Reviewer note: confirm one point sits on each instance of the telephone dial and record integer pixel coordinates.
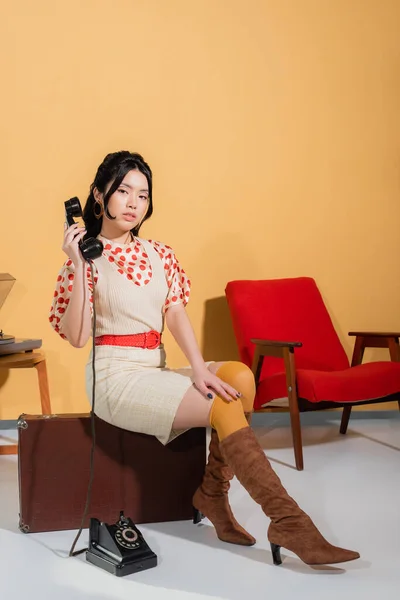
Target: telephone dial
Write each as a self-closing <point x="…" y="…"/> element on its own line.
<point x="90" y="248"/>
<point x="119" y="549"/>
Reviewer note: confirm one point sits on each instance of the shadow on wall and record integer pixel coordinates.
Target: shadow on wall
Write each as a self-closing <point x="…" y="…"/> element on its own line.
<point x="4" y="374"/>
<point x="219" y="341"/>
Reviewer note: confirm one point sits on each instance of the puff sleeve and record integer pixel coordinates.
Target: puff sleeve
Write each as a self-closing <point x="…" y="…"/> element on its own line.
<point x="62" y="294"/>
<point x="178" y="282"/>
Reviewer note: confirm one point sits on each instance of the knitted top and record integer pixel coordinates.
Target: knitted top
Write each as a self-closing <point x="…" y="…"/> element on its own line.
<point x="120" y="270"/>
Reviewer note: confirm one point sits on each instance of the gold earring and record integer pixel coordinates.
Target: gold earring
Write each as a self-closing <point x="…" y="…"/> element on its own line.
<point x="99" y="214"/>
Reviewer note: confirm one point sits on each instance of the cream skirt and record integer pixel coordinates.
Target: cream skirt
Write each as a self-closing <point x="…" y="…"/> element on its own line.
<point x="136" y="391"/>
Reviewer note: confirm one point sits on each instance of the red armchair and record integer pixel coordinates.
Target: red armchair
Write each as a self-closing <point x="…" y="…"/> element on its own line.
<point x="285" y="334"/>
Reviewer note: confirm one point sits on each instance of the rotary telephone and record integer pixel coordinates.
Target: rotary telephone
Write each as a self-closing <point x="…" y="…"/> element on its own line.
<point x="119" y="549"/>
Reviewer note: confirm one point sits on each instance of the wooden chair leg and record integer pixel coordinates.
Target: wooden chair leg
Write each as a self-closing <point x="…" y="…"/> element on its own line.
<point x="296" y="434"/>
<point x="43" y="387"/>
<point x="294" y="407"/>
<point x="345" y="419"/>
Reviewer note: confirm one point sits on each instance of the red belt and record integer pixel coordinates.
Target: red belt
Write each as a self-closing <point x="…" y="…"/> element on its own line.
<point x="150" y="340"/>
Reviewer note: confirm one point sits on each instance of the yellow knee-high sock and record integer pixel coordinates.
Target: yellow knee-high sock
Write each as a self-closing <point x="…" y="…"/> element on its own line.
<point x="227" y="417"/>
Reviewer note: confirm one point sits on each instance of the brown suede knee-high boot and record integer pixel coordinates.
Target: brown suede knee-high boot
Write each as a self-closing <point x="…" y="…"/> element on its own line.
<point x="290" y="527"/>
<point x="211" y="498"/>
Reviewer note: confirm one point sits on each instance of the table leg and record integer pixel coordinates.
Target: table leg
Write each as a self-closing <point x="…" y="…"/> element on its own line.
<point x="9" y="449"/>
<point x="43" y="387"/>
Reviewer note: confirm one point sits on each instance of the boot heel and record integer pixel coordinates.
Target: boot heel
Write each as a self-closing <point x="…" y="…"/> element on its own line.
<point x="276" y="554"/>
<point x="197" y="516"/>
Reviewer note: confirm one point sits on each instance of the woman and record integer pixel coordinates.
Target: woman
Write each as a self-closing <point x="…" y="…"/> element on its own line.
<point x="139" y="287"/>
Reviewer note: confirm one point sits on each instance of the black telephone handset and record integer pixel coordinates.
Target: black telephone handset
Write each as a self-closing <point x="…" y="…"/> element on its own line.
<point x="90" y="248"/>
<point x="119" y="549"/>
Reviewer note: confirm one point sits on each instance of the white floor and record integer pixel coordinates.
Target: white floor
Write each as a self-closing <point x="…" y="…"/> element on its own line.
<point x="350" y="486"/>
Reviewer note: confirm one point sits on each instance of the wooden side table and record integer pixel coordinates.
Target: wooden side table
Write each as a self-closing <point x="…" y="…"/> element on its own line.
<point x="27" y="360"/>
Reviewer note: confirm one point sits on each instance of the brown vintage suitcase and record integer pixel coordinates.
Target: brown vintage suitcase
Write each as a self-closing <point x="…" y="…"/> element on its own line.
<point x="133" y="472"/>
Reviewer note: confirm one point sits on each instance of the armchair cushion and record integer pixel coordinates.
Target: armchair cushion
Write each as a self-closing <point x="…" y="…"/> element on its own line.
<point x="368" y="381"/>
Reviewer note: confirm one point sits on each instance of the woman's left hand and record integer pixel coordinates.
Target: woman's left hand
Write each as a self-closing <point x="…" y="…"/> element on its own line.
<point x="209" y="384"/>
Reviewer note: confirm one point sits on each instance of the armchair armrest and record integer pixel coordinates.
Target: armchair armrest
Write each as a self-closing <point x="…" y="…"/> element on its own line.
<point x="374" y="334"/>
<point x="275" y="348"/>
<point x="374" y="339"/>
<point x="276" y="343"/>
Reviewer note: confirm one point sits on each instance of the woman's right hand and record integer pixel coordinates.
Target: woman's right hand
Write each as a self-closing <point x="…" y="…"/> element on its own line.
<point x="73" y="235"/>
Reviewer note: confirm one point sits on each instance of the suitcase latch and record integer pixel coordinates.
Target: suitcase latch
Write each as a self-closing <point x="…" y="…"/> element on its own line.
<point x="21" y="423"/>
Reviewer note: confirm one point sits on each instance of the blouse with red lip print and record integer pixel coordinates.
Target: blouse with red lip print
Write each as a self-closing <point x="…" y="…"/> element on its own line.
<point x="132" y="262"/>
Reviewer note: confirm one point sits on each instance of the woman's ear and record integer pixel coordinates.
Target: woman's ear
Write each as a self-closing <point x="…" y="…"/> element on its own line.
<point x="98" y="196"/>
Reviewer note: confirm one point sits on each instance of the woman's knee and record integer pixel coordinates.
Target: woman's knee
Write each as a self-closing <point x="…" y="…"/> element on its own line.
<point x="240" y="377"/>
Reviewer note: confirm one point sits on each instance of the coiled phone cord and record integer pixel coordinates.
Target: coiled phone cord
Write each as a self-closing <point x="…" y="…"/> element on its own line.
<point x="72" y="552"/>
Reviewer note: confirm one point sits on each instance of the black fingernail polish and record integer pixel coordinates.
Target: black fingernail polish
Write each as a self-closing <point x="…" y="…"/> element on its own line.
<point x="209" y="396"/>
<point x="238" y="395"/>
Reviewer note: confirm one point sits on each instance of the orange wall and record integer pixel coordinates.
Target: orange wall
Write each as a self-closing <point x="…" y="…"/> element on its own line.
<point x="272" y="129"/>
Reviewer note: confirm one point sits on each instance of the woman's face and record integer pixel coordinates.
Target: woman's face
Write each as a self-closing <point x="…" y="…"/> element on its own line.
<point x="128" y="204"/>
